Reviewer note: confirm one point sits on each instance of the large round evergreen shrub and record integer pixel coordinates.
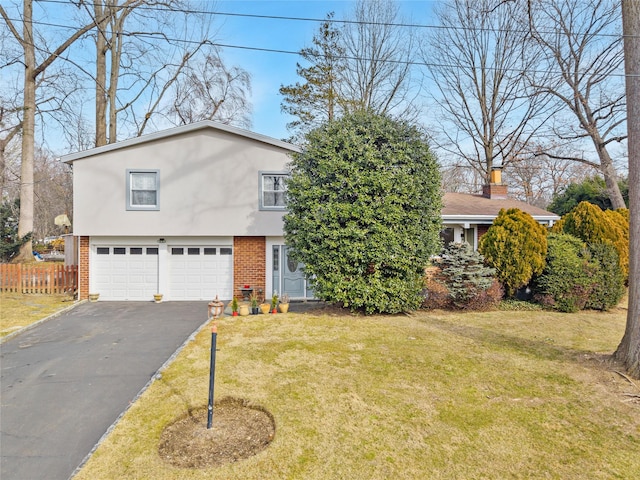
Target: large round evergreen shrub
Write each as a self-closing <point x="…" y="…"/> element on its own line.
<point x="516" y="246"/>
<point x="364" y="206"/>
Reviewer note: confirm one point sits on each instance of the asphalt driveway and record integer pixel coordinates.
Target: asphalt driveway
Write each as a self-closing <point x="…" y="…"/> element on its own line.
<point x="65" y="382"/>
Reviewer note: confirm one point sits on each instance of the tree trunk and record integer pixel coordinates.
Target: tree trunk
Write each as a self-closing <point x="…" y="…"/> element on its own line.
<point x="25" y="225"/>
<point x="101" y="77"/>
<point x="609" y="173"/>
<point x="628" y="351"/>
<point x="116" y="53"/>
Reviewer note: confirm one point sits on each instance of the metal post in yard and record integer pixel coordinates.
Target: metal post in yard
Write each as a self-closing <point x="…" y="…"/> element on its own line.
<point x="212" y="374"/>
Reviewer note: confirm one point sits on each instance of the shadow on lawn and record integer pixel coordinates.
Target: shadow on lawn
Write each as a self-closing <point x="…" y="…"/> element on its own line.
<point x="543" y="348"/>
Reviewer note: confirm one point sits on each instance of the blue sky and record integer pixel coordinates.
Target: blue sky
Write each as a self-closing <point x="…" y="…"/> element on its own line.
<point x="271" y="70"/>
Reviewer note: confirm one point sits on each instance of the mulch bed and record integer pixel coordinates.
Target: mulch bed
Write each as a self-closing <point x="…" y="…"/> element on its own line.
<point x="239" y="430"/>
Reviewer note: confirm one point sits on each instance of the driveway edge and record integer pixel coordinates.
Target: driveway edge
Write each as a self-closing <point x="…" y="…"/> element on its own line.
<point x="42" y="320"/>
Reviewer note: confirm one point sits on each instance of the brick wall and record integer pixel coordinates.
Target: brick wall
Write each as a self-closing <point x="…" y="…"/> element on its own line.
<point x="249" y="264"/>
<point x="482" y="229"/>
<point x="495" y="191"/>
<point x="83" y="269"/>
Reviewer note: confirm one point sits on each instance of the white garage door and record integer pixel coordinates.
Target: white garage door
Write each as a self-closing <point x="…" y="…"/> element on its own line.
<point x="200" y="273"/>
<point x="125" y="272"/>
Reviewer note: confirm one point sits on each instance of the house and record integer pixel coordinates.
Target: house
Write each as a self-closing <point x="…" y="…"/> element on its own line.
<point x="191" y="213"/>
<point x="466" y="217"/>
<point x="196" y="211"/>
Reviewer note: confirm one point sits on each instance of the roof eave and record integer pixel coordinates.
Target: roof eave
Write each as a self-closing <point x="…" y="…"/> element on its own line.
<point x="178" y="131"/>
<point x="490" y="218"/>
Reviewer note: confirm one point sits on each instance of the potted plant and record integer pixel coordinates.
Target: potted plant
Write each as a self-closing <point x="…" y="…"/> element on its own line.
<point x="284" y="303"/>
<point x="274" y="303"/>
<point x="157" y="297"/>
<point x="234" y="307"/>
<point x="254" y="304"/>
<point x="265" y="308"/>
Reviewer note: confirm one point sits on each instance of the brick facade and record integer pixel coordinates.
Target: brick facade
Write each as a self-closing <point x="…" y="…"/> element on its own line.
<point x="482" y="229"/>
<point x="83" y="269"/>
<point x="249" y="264"/>
<point x="495" y="191"/>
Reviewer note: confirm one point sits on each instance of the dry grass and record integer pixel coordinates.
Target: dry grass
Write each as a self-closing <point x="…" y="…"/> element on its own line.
<point x="18" y="311"/>
<point x="435" y="395"/>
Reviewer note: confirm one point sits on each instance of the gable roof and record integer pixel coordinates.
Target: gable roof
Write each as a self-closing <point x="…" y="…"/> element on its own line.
<point x="475" y="208"/>
<point x="171" y="132"/>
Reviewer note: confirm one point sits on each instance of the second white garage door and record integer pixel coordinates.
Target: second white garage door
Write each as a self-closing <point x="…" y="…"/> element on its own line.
<point x="200" y="273"/>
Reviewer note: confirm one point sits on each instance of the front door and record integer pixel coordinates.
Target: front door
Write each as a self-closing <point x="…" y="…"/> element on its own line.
<point x="293" y="281"/>
<point x="288" y="276"/>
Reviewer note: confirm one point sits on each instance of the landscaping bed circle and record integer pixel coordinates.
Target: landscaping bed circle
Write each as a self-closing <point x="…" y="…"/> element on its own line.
<point x="238" y="430"/>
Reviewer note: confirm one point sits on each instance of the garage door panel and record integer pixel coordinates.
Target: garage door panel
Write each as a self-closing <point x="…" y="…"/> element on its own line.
<point x="200" y="273"/>
<point x="125" y="272"/>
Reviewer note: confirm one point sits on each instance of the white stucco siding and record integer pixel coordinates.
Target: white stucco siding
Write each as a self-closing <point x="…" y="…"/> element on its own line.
<point x="209" y="185"/>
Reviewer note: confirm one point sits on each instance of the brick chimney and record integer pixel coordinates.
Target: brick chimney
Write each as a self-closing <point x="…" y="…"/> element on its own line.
<point x="496" y="190"/>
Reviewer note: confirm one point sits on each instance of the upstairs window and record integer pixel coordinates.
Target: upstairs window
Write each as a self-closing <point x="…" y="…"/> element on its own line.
<point x="143" y="188"/>
<point x="273" y="190"/>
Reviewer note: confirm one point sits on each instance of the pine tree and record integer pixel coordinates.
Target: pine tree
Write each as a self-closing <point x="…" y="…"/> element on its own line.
<point x="317" y="100"/>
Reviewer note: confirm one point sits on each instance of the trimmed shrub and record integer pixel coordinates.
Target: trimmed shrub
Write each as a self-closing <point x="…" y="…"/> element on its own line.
<point x="516" y="246"/>
<point x="468" y="283"/>
<point x="567" y="279"/>
<point x="608" y="280"/>
<point x="592" y="225"/>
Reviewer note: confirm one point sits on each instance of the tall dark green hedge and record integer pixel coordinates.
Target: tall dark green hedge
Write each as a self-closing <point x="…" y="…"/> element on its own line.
<point x="364" y="206"/>
<point x="608" y="281"/>
<point x="567" y="280"/>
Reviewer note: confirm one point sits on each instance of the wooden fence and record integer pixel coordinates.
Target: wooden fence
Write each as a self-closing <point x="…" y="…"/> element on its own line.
<point x="38" y="278"/>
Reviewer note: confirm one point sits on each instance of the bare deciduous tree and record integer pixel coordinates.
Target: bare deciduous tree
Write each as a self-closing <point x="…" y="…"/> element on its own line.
<point x="379" y="55"/>
<point x="580" y="67"/>
<point x="477" y="59"/>
<point x="536" y="178"/>
<point x="53" y="193"/>
<point x="209" y="90"/>
<point x="137" y="65"/>
<point x="34" y="69"/>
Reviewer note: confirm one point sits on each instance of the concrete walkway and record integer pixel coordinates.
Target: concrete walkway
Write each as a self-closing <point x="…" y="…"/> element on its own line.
<point x="65" y="381"/>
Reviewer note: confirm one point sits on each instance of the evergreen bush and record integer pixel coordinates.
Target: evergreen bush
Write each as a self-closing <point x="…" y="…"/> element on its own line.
<point x="469" y="283"/>
<point x="364" y="201"/>
<point x="593" y="226"/>
<point x="608" y="280"/>
<point x="567" y="279"/>
<point x="516" y="246"/>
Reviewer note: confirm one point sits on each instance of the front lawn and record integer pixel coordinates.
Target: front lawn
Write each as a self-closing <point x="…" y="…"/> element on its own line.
<point x="435" y="395"/>
<point x="18" y="310"/>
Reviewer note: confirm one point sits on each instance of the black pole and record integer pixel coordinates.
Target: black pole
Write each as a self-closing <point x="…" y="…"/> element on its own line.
<point x="212" y="374"/>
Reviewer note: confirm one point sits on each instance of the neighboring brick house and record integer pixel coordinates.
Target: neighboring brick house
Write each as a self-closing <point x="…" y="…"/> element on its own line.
<point x="196" y="211"/>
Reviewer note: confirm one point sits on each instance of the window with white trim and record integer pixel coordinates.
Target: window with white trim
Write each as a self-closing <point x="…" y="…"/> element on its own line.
<point x="273" y="190"/>
<point x="143" y="189"/>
